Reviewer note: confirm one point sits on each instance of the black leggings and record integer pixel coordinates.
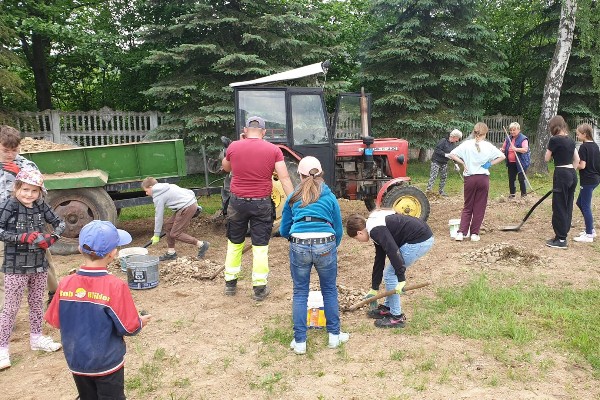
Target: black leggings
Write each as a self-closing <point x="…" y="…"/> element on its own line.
<point x="513" y="172"/>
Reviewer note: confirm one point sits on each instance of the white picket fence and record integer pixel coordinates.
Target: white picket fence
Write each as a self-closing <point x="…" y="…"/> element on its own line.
<point x="91" y="128"/>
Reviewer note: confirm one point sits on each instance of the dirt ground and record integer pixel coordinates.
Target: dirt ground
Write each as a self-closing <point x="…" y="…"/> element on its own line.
<point x="203" y="345"/>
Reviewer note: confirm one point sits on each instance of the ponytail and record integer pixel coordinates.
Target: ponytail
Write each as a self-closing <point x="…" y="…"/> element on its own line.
<point x="309" y="189"/>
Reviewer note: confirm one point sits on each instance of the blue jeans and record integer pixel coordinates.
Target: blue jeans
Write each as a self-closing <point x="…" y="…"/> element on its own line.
<point x="410" y="254"/>
<point x="584" y="202"/>
<point x="324" y="258"/>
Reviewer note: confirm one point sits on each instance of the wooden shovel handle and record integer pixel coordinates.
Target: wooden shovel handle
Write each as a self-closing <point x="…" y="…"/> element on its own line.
<point x="386" y="294"/>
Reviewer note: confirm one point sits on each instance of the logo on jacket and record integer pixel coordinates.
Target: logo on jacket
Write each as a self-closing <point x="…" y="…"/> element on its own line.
<point x="80" y="293"/>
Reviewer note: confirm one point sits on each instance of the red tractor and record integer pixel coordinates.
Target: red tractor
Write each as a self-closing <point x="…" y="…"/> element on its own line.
<point x="356" y="165"/>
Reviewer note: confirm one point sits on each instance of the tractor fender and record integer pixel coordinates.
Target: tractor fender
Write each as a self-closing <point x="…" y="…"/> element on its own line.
<point x="394" y="182"/>
<point x="286" y="150"/>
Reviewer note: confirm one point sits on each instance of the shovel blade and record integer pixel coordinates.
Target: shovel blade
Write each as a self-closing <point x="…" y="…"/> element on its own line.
<point x="511" y="228"/>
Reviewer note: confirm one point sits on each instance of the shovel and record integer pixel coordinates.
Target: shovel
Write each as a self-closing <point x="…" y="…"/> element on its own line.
<point x="385" y="294"/>
<point x="515" y="228"/>
<point x="520" y="165"/>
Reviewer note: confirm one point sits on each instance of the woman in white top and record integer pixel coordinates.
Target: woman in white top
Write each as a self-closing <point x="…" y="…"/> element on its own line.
<point x="476" y="155"/>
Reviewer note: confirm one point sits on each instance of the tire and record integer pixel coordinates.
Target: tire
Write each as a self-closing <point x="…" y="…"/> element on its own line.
<point x="370" y="204"/>
<point x="292" y="167"/>
<point x="77" y="207"/>
<point x="408" y="200"/>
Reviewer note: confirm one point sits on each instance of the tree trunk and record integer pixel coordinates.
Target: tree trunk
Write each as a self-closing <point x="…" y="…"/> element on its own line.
<point x="554" y="81"/>
<point x="37" y="57"/>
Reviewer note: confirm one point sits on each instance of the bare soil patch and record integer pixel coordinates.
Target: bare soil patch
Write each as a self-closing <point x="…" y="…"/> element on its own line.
<point x="204" y="345"/>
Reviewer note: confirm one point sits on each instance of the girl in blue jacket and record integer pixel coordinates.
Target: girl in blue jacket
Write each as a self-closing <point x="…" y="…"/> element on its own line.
<point x="312" y="222"/>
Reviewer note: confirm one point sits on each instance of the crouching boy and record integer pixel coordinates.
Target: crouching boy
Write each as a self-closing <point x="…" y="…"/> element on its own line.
<point x="93" y="311"/>
<point x="183" y="202"/>
<point x="403" y="239"/>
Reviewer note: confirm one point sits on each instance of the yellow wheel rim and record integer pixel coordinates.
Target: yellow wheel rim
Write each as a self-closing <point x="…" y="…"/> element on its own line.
<point x="408" y="205"/>
<point x="278" y="196"/>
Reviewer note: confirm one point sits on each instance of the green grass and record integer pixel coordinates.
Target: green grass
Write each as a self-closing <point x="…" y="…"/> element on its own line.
<point x="517" y="316"/>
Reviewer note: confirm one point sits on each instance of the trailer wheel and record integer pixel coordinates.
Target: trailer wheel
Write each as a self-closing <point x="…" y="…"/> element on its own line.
<point x="407" y="200"/>
<point x="77" y="207"/>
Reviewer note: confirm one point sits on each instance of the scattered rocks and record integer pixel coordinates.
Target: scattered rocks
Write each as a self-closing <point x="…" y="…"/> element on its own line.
<point x="346" y="296"/>
<point x="186" y="269"/>
<point x="503" y="253"/>
<point x="29" y="144"/>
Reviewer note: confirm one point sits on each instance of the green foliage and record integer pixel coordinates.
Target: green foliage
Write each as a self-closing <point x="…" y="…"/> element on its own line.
<point x="431" y="66"/>
<point x="206" y="45"/>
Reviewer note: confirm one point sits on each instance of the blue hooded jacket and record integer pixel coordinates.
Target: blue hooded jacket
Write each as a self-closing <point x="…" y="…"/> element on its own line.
<point x="326" y="208"/>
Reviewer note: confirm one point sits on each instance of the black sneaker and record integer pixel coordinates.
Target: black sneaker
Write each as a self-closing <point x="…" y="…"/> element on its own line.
<point x="231" y="287"/>
<point x="393" y="321"/>
<point x="557" y="243"/>
<point x="260" y="292"/>
<point x="380" y="312"/>
<point x="202" y="249"/>
<point x="168" y="257"/>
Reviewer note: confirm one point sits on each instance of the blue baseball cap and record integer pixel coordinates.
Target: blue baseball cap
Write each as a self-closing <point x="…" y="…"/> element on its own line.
<point x="101" y="237"/>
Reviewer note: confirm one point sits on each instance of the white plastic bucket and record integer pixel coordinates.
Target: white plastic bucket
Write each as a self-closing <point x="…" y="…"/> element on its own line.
<point x="131" y="251"/>
<point x="454" y="224"/>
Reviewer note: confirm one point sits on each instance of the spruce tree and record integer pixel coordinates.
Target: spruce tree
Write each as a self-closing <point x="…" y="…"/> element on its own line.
<point x="208" y="44"/>
<point x="431" y="68"/>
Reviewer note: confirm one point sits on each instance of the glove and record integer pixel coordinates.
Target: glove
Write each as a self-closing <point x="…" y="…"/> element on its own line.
<point x="371" y="293"/>
<point x="400" y="287"/>
<point x="11" y="168"/>
<point x="155" y="239"/>
<point x="27" y="238"/>
<point x="44" y="241"/>
<point x="487" y="165"/>
<point x="456" y="167"/>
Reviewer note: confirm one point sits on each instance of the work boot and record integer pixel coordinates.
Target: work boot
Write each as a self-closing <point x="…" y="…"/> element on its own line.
<point x="168" y="257"/>
<point x="231" y="287"/>
<point x="261" y="292"/>
<point x="393" y="321"/>
<point x="202" y="249"/>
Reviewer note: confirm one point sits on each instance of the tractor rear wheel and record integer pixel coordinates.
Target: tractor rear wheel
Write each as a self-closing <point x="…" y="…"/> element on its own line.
<point x="77" y="207"/>
<point x="408" y="200"/>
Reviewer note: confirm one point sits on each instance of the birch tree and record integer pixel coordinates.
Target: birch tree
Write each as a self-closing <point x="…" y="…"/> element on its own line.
<point x="554" y="81"/>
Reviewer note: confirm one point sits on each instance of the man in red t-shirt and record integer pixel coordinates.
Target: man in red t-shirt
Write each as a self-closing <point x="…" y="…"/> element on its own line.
<point x="252" y="162"/>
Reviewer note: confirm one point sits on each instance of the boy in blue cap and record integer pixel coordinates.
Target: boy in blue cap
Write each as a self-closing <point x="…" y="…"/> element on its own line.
<point x="93" y="311"/>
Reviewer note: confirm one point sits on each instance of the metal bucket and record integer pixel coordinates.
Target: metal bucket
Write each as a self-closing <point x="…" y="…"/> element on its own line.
<point x="142" y="271"/>
<point x="131" y="251"/>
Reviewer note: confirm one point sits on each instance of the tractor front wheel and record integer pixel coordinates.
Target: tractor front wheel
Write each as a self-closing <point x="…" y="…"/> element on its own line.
<point x="408" y="200"/>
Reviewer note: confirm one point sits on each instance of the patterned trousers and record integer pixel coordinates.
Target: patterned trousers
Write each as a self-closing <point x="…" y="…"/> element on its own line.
<point x="442" y="170"/>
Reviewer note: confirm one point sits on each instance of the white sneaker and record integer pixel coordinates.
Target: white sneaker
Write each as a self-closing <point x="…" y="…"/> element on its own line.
<point x="44" y="343"/>
<point x="4" y="358"/>
<point x="336" y="340"/>
<point x="584" y="233"/>
<point x="299" y="348"/>
<point x="458" y="237"/>
<point x="585" y="238"/>
<point x="475" y="238"/>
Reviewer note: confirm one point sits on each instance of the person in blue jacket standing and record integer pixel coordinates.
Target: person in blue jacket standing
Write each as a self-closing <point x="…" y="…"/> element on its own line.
<point x="518" y="147"/>
<point x="311" y="220"/>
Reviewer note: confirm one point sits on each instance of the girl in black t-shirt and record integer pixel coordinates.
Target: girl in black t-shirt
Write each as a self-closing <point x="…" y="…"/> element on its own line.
<point x="589" y="175"/>
<point x="561" y="148"/>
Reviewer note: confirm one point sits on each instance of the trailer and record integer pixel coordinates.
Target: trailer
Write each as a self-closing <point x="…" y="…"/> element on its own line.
<point x="87" y="183"/>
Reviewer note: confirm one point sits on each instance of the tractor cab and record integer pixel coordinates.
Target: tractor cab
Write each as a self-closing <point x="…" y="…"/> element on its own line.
<point x="295" y="119"/>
